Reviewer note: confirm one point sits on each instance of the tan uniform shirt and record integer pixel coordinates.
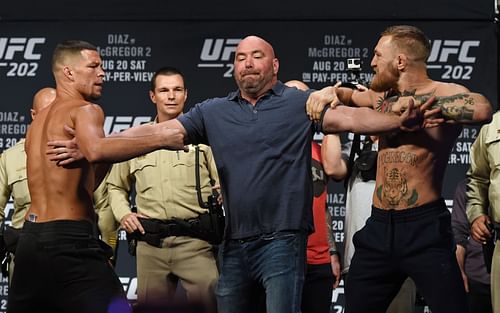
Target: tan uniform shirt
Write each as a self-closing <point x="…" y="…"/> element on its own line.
<point x="165" y="183"/>
<point x="14" y="181"/>
<point x="106" y="221"/>
<point x="483" y="188"/>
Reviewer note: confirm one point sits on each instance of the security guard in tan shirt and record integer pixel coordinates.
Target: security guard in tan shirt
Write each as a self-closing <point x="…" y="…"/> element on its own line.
<point x="483" y="191"/>
<point x="13" y="182"/>
<point x="165" y="185"/>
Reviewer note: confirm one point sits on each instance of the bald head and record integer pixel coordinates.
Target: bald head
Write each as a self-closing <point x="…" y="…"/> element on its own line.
<point x="255" y="42"/>
<point x="255" y="67"/>
<point x="42" y="99"/>
<point x="297" y="84"/>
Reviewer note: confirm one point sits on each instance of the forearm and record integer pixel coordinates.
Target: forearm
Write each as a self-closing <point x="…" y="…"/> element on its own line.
<point x="120" y="149"/>
<point x="359" y="120"/>
<point x="460" y="254"/>
<point x="331" y="240"/>
<point x="136" y="131"/>
<point x="345" y="95"/>
<point x="331" y="157"/>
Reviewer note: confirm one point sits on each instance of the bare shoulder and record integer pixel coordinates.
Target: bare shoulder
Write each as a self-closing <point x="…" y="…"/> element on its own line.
<point x="86" y="110"/>
<point x="448" y="89"/>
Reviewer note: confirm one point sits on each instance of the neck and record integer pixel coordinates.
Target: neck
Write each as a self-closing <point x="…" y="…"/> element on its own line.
<point x="412" y="80"/>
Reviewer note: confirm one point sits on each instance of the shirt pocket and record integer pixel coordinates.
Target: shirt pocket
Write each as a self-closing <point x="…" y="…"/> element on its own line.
<point x="19" y="182"/>
<point x="183" y="168"/>
<point x="494" y="150"/>
<point x="146" y="173"/>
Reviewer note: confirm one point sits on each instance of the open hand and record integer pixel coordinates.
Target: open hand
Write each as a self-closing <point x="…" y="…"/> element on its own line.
<point x="64" y="152"/>
<point x="318" y="99"/>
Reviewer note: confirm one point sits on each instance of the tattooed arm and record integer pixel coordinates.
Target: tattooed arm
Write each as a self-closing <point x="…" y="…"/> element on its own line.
<point x="464" y="108"/>
<point x="334" y="253"/>
<point x="459" y="108"/>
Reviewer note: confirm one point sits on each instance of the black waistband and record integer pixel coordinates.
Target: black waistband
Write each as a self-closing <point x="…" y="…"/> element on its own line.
<point x="433" y="208"/>
<point x="62" y="229"/>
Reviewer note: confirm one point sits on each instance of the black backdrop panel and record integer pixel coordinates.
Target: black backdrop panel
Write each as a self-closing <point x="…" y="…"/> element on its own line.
<point x="315" y="52"/>
<point x="260" y="9"/>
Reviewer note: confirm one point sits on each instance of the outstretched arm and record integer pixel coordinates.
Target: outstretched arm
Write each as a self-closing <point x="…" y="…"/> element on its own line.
<point x="88" y="121"/>
<point x="459" y="108"/>
<point x="368" y="121"/>
<point x="117" y="147"/>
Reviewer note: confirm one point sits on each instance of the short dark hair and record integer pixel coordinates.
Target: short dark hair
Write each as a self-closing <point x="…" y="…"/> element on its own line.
<point x="167" y="71"/>
<point x="410" y="40"/>
<point x="70" y="47"/>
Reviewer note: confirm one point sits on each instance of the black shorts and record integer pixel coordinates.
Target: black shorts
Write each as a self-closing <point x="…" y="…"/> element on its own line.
<point x="62" y="267"/>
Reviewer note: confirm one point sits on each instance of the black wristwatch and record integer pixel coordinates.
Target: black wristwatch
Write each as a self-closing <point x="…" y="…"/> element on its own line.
<point x="335" y="252"/>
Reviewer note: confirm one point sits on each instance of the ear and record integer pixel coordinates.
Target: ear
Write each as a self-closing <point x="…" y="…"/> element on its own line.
<point x="402" y="62"/>
<point x="68" y="73"/>
<point x="152" y="97"/>
<point x="185" y="94"/>
<point x="276" y="66"/>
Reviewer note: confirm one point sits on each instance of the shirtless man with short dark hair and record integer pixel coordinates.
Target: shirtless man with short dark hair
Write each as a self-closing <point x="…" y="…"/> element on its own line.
<point x="409" y="231"/>
<point x="61" y="266"/>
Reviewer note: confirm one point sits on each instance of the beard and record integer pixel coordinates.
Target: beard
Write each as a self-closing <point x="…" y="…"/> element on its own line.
<point x="385" y="80"/>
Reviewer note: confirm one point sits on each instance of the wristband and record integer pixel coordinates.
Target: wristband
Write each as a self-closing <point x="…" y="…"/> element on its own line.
<point x="335" y="252"/>
<point x="319" y="124"/>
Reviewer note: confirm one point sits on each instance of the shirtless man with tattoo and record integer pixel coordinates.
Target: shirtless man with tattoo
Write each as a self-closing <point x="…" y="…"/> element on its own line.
<point x="61" y="266"/>
<point x="409" y="231"/>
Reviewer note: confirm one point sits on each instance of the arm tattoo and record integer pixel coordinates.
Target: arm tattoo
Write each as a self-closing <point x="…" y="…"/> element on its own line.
<point x="331" y="240"/>
<point x="459" y="107"/>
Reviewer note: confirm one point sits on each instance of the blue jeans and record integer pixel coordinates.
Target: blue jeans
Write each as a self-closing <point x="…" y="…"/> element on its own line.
<point x="273" y="262"/>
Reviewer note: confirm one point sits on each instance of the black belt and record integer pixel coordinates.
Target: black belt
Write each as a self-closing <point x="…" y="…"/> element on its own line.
<point x="156" y="230"/>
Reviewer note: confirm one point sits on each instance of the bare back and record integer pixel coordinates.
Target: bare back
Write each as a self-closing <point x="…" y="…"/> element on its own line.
<point x="411" y="165"/>
<point x="57" y="192"/>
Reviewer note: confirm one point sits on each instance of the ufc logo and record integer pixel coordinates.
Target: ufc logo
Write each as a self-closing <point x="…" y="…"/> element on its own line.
<point x="130" y="287"/>
<point x="115" y="124"/>
<point x="442" y="49"/>
<point x="218" y="49"/>
<point x="9" y="47"/>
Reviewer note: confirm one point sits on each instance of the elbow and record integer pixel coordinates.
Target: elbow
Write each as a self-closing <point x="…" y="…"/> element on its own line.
<point x="94" y="155"/>
<point x="335" y="172"/>
<point x="483" y="115"/>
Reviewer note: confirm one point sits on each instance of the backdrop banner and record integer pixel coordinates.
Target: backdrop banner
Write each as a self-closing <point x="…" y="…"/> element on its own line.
<point x="315" y="52"/>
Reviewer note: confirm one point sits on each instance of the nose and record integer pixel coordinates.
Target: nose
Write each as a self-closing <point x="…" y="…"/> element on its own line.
<point x="171" y="94"/>
<point x="373" y="63"/>
<point x="100" y="73"/>
<point x="248" y="63"/>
